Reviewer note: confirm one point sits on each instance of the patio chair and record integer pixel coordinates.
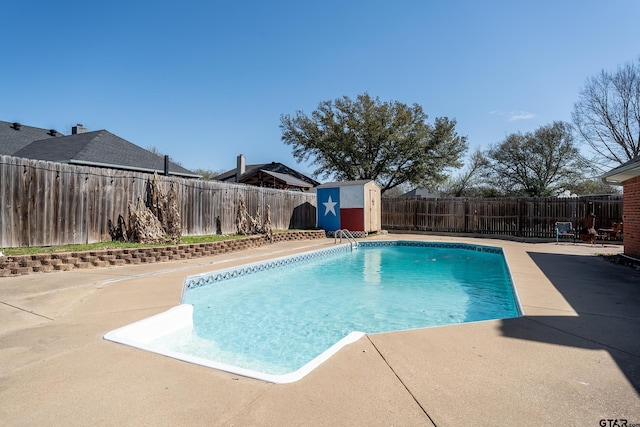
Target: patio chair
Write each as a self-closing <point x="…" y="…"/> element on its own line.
<point x="565" y="229"/>
<point x="615" y="231"/>
<point x="611" y="233"/>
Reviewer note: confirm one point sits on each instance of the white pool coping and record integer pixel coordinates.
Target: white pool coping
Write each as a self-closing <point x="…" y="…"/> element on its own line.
<point x="140" y="335"/>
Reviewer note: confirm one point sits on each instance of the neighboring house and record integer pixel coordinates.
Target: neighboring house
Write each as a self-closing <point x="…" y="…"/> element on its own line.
<point x="628" y="175"/>
<point x="15" y="136"/>
<point x="98" y="149"/>
<point x="419" y="193"/>
<point x="271" y="175"/>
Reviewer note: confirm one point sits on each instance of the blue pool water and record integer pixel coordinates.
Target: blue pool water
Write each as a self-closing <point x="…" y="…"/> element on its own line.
<point x="276" y="317"/>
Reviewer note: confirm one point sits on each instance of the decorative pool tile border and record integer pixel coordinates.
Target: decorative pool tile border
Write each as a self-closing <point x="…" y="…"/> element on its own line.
<point x="446" y="245"/>
<point x="193" y="282"/>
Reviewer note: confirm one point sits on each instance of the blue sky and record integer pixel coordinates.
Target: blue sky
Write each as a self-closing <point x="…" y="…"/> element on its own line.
<point x="204" y="81"/>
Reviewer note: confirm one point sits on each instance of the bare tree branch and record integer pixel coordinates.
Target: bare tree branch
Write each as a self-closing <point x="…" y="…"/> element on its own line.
<point x="607" y="115"/>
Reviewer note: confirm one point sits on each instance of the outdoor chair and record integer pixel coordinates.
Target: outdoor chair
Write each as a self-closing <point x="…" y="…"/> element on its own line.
<point x="565" y="229"/>
<point x="612" y="233"/>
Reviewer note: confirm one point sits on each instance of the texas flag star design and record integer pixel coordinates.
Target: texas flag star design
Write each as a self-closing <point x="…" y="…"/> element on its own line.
<point x="341" y="206"/>
<point x="328" y="212"/>
<point x="329" y="206"/>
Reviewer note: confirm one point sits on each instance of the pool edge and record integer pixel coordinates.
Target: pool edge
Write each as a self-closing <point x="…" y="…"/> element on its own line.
<point x="138" y="335"/>
<point x="127" y="334"/>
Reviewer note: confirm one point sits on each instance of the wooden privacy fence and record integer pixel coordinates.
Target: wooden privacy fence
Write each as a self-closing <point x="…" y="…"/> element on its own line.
<point x="47" y="203"/>
<point x="519" y="217"/>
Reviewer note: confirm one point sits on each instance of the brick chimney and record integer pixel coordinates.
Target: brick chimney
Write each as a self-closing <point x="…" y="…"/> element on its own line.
<point x="241" y="167"/>
<point x="78" y="129"/>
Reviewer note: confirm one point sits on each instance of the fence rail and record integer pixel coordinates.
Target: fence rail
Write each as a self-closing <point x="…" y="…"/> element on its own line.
<point x="519" y="217"/>
<point x="47" y="203"/>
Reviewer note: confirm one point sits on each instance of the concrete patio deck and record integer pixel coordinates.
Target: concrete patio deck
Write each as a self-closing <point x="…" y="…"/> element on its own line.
<point x="573" y="359"/>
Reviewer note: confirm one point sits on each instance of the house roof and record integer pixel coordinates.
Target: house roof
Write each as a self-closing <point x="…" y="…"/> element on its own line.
<point x="419" y="193"/>
<point x="99" y="148"/>
<point x="15" y="136"/>
<point x="274" y="168"/>
<point x="231" y="174"/>
<point x="625" y="171"/>
<point x="288" y="179"/>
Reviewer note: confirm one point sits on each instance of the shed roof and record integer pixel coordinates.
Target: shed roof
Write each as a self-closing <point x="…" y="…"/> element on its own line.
<point x="361" y="182"/>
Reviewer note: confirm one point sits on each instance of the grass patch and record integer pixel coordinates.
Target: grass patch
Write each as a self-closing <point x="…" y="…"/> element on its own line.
<point x="114" y="245"/>
<point x="211" y="238"/>
<point x="120" y="245"/>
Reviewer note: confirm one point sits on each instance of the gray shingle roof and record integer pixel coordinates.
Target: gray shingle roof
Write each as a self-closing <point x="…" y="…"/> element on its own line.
<point x="14" y="138"/>
<point x="99" y="148"/>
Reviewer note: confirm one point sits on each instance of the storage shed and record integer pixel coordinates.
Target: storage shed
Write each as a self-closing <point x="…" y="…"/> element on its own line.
<point x="351" y="205"/>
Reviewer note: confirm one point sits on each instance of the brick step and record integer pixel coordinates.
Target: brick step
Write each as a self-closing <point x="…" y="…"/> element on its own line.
<point x="43" y="268"/>
<point x="98" y="263"/>
<point x="83" y="264"/>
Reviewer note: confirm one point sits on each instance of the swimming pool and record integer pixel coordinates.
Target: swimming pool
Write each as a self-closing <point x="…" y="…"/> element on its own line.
<point x="278" y="320"/>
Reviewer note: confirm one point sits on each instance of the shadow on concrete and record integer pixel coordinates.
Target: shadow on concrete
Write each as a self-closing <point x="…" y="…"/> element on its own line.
<point x="606" y="297"/>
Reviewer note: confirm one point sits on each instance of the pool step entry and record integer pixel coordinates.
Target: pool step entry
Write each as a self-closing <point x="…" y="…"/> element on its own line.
<point x="343" y="232"/>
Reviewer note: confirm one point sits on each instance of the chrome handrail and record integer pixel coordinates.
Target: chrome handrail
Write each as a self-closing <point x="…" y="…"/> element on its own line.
<point x="343" y="232"/>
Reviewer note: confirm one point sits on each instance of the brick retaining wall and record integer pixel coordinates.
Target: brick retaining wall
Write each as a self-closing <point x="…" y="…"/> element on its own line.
<point x="64" y="261"/>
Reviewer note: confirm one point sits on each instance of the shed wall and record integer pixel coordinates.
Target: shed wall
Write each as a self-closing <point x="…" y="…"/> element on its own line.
<point x="357" y="206"/>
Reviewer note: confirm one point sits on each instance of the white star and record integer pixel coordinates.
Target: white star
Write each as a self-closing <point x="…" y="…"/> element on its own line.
<point x="329" y="207"/>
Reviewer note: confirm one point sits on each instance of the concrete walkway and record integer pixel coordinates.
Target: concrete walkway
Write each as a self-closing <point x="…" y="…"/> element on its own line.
<point x="573" y="359"/>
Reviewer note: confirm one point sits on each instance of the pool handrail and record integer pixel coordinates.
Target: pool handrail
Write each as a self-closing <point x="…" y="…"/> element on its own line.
<point x="343" y="232"/>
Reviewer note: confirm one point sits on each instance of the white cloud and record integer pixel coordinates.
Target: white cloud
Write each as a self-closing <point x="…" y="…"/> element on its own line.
<point x="520" y="115"/>
<point x="513" y="115"/>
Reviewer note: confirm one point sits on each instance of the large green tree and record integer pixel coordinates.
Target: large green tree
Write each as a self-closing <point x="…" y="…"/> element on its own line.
<point x="388" y="142"/>
<point x="607" y="115"/>
<point x="536" y="164"/>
